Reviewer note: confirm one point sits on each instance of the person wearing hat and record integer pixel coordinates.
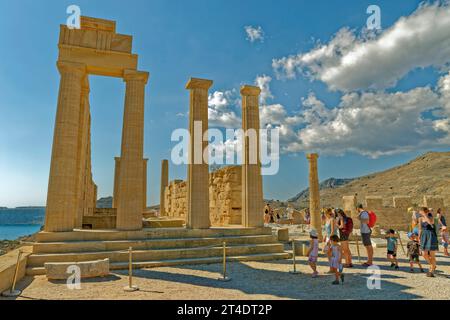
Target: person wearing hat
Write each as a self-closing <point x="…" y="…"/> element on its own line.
<point x="413" y="248"/>
<point x="313" y="252"/>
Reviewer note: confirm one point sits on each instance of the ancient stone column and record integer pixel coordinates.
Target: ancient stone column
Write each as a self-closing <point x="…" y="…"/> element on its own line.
<point x="116" y="182"/>
<point x="198" y="169"/>
<point x="164" y="184"/>
<point x="83" y="144"/>
<point x="62" y="196"/>
<point x="314" y="194"/>
<point x="252" y="192"/>
<point x="144" y="200"/>
<point x="130" y="189"/>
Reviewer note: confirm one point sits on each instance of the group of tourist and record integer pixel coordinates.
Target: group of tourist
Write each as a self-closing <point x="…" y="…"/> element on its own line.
<point x="270" y="216"/>
<point x="426" y="228"/>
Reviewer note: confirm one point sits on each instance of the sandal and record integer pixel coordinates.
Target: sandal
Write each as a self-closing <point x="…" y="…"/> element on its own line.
<point x="365" y="264"/>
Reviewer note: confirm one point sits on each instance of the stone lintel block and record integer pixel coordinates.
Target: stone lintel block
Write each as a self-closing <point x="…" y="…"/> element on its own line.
<point x="196" y="83"/>
<point x="90" y="23"/>
<point x="248" y="90"/>
<point x="88" y="269"/>
<point x="98" y="62"/>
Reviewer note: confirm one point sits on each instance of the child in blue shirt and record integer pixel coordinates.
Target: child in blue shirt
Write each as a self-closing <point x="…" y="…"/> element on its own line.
<point x="392" y="248"/>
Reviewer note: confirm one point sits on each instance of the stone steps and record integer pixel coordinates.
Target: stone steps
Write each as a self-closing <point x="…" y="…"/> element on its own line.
<point x="154" y="247"/>
<point x="33" y="271"/>
<point x="36" y="260"/>
<point x="147" y="244"/>
<point x="160" y="233"/>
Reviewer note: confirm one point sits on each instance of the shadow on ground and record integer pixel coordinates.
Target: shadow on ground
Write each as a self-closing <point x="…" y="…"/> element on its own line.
<point x="283" y="285"/>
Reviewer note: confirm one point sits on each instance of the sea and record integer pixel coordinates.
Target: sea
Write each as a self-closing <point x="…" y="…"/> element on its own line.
<point x="19" y="222"/>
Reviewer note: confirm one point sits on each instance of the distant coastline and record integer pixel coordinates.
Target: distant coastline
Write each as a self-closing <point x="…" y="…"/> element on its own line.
<point x="23" y="207"/>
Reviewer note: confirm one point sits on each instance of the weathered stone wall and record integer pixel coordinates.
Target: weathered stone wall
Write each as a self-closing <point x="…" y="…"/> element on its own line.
<point x="225" y="197"/>
<point x="175" y="197"/>
<point x="395" y="216"/>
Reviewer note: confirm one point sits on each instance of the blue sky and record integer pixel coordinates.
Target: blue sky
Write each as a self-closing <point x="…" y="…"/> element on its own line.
<point x="176" y="40"/>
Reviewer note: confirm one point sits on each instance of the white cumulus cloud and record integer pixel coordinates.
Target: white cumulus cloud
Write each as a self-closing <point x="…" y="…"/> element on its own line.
<point x="349" y="62"/>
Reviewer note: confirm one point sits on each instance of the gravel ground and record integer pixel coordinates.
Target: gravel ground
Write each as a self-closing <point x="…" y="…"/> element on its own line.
<point x="252" y="280"/>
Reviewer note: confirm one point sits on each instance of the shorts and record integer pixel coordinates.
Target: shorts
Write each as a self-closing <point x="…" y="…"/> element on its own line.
<point x="367" y="242"/>
<point x="312" y="259"/>
<point x="392" y="253"/>
<point x="414" y="258"/>
<point x="343" y="236"/>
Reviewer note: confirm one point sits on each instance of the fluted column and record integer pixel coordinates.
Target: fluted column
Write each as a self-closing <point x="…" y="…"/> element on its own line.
<point x="131" y="193"/>
<point x="314" y="194"/>
<point x="198" y="169"/>
<point x="164" y="184"/>
<point x="144" y="183"/>
<point x="116" y="182"/>
<point x="62" y="196"/>
<point x="83" y="144"/>
<point x="252" y="192"/>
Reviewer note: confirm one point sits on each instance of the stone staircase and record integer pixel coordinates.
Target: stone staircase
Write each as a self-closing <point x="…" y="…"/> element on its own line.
<point x="154" y="247"/>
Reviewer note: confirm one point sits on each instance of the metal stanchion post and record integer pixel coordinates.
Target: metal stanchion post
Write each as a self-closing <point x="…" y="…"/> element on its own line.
<point x="13" y="292"/>
<point x="224" y="275"/>
<point x="130" y="287"/>
<point x="294" y="271"/>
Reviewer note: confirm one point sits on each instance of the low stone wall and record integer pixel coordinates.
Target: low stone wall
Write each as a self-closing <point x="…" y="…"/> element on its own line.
<point x="395" y="216"/>
<point x="8" y="265"/>
<point x="225" y="197"/>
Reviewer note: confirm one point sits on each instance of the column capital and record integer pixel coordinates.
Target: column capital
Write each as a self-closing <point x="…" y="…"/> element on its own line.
<point x="312" y="156"/>
<point x="247" y="90"/>
<point x="71" y="67"/>
<point x="135" y="75"/>
<point x="196" y="83"/>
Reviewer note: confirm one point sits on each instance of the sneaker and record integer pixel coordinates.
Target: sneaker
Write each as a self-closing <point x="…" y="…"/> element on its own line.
<point x="335" y="282"/>
<point x="397" y="267"/>
<point x="342" y="278"/>
<point x="421" y="270"/>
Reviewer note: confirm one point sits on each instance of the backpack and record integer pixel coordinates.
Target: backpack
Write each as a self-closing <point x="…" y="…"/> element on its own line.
<point x="372" y="219"/>
<point x="348" y="226"/>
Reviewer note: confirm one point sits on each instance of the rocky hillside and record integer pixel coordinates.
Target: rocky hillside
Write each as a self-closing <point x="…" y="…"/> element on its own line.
<point x="105" y="203"/>
<point x="428" y="174"/>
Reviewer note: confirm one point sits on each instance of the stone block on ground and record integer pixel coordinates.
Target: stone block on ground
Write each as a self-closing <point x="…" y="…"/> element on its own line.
<point x="283" y="234"/>
<point x="88" y="269"/>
